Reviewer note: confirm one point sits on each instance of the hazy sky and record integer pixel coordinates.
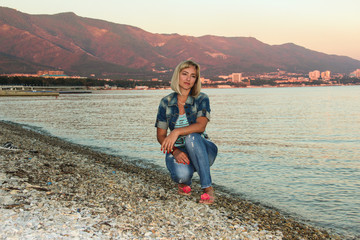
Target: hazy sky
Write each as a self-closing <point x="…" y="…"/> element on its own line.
<point x="329" y="26"/>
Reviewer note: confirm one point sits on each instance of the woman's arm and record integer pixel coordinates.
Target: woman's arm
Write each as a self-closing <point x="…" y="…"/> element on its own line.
<point x="161" y="134"/>
<point x="179" y="155"/>
<point x="167" y="142"/>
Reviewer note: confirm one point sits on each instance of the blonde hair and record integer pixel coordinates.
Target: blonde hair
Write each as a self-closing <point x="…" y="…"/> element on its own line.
<point x="195" y="90"/>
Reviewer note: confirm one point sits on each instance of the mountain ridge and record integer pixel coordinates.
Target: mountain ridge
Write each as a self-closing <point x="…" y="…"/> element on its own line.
<point x="81" y="45"/>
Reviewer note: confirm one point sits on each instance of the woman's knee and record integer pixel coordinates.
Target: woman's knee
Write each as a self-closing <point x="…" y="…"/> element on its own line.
<point x="181" y="176"/>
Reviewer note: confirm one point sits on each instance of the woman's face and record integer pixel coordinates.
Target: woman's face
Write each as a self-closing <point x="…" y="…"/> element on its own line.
<point x="187" y="78"/>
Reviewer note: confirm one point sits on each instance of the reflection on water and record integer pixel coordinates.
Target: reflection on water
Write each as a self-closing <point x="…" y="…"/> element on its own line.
<point x="292" y="148"/>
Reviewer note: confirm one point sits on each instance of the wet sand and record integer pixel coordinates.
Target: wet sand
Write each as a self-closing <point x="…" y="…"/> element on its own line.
<point x="53" y="189"/>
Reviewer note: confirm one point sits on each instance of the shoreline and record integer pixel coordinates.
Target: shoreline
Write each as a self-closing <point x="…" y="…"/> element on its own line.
<point x="96" y="195"/>
<point x="16" y="93"/>
<point x="65" y="90"/>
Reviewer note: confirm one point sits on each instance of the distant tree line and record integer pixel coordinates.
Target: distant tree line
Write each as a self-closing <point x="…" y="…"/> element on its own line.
<point x="261" y="82"/>
<point x="40" y="81"/>
<point x="348" y="80"/>
<point x="88" y="82"/>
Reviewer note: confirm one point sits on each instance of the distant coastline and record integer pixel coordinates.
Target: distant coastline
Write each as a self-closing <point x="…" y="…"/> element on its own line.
<point x="57" y="90"/>
<point x="10" y="84"/>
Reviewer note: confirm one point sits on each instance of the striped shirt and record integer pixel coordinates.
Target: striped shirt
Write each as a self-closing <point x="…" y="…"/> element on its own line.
<point x="181" y="122"/>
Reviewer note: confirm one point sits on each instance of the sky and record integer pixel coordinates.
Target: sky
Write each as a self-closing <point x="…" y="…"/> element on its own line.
<point x="328" y="26"/>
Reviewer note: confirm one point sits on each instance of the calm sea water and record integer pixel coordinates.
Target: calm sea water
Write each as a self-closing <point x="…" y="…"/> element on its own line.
<point x="295" y="149"/>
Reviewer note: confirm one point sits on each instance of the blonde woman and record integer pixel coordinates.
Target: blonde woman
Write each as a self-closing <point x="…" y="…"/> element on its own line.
<point x="188" y="149"/>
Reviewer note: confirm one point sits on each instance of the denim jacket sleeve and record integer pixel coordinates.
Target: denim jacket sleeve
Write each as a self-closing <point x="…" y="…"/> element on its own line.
<point x="161" y="121"/>
<point x="203" y="108"/>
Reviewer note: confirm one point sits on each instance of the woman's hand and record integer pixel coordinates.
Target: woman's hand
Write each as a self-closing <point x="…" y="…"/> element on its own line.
<point x="169" y="141"/>
<point x="181" y="157"/>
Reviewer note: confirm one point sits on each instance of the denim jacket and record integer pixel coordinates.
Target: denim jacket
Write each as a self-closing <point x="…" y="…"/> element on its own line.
<point x="168" y="111"/>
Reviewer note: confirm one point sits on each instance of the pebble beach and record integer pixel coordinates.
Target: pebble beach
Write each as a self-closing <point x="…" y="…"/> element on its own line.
<point x="53" y="189"/>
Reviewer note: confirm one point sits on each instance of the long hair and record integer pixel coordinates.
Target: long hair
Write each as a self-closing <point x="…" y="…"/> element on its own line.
<point x="195" y="90"/>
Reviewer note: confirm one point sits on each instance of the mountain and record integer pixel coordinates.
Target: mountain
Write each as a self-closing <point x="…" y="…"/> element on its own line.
<point x="80" y="45"/>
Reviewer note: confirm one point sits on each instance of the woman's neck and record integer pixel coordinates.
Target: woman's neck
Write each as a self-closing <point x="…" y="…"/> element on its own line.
<point x="181" y="101"/>
<point x="184" y="93"/>
<point x="182" y="98"/>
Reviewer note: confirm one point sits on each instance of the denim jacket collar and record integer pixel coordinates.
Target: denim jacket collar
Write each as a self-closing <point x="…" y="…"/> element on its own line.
<point x="174" y="101"/>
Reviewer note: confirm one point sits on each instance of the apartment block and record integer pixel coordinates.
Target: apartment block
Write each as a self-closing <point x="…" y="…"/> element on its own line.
<point x="314" y="75"/>
<point x="356" y="73"/>
<point x="236" y="77"/>
<point x="326" y="76"/>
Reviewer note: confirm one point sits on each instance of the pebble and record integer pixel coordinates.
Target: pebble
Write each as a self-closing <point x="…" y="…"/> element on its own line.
<point x="56" y="190"/>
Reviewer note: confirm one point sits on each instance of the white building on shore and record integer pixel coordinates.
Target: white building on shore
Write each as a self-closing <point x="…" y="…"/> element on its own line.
<point x="314" y="75"/>
<point x="356" y="73"/>
<point x="326" y="76"/>
<point x="236" y="77"/>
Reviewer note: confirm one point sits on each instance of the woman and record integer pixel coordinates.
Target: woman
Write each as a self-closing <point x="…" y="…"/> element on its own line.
<point x="186" y="113"/>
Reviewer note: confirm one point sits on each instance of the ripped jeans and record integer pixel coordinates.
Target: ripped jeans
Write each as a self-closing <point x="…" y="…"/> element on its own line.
<point x="201" y="153"/>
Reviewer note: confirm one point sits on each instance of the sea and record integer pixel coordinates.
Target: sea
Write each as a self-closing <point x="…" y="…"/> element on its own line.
<point x="293" y="149"/>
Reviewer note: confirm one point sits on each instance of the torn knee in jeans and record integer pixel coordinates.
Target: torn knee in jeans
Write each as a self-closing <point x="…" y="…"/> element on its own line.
<point x="181" y="176"/>
<point x="191" y="138"/>
<point x="181" y="179"/>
